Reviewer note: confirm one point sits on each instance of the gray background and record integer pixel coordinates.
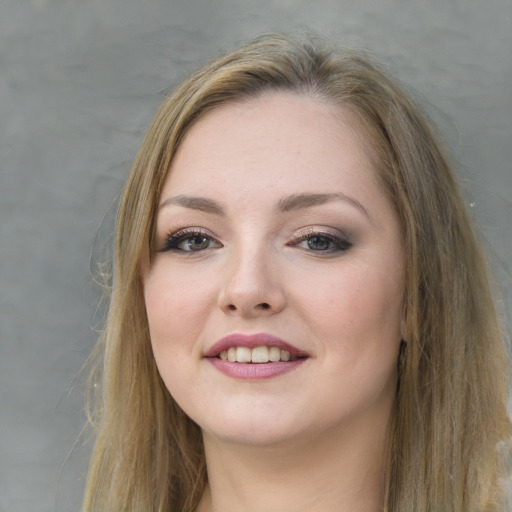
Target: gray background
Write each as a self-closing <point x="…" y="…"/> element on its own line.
<point x="79" y="82"/>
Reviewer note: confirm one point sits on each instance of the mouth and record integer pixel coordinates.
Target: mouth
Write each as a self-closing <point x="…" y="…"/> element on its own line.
<point x="258" y="355"/>
<point x="254" y="358"/>
<point x="254" y="349"/>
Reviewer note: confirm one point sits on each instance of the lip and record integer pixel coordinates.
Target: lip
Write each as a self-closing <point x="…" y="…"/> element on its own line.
<point x="252" y="341"/>
<point x="254" y="371"/>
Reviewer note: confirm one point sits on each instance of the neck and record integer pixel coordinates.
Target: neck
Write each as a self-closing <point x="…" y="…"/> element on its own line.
<point x="332" y="472"/>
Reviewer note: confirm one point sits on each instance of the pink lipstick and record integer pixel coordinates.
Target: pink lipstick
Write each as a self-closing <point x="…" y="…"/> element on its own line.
<point x="255" y="356"/>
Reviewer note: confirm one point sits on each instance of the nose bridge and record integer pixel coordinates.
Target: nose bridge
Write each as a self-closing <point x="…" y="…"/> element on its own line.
<point x="251" y="284"/>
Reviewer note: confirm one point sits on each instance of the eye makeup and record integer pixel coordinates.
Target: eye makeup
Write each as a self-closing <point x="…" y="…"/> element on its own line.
<point x="322" y="241"/>
<point x="189" y="240"/>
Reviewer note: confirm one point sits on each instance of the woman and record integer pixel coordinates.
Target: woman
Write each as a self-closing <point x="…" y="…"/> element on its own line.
<point x="300" y="316"/>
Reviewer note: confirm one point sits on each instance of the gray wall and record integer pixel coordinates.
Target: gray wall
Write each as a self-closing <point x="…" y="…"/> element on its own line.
<point x="79" y="82"/>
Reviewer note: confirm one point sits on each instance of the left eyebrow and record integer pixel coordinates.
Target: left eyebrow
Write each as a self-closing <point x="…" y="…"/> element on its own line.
<point x="307" y="200"/>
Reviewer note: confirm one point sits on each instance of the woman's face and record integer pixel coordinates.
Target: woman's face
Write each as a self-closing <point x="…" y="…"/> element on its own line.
<point x="274" y="296"/>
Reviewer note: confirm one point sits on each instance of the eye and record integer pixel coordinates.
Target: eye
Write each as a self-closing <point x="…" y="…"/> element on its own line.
<point x="322" y="242"/>
<point x="189" y="241"/>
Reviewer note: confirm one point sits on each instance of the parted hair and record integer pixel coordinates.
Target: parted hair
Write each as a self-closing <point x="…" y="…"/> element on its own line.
<point x="449" y="431"/>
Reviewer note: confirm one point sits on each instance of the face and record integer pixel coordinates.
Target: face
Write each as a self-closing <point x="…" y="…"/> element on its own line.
<point x="275" y="291"/>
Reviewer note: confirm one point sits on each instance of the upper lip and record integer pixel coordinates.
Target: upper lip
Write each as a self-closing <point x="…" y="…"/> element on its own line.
<point x="252" y="341"/>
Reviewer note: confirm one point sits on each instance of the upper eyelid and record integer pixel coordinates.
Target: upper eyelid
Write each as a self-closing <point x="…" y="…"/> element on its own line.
<point x="189" y="230"/>
<point x="300" y="233"/>
<point x="304" y="231"/>
<point x="336" y="236"/>
<point x="322" y="230"/>
<point x="184" y="233"/>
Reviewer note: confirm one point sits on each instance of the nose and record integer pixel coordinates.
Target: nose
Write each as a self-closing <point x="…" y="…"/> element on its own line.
<point x="252" y="285"/>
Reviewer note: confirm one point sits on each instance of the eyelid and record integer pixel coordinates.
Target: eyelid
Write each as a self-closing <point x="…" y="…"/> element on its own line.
<point x="321" y="230"/>
<point x="340" y="238"/>
<point x="177" y="236"/>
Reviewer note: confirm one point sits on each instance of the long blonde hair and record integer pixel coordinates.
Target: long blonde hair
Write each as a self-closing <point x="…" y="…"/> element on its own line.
<point x="450" y="415"/>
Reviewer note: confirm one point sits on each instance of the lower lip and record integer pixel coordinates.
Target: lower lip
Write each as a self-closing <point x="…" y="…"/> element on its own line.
<point x="254" y="371"/>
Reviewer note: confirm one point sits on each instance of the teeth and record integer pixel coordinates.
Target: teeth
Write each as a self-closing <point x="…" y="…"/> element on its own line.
<point x="285" y="355"/>
<point x="274" y="354"/>
<point x="256" y="355"/>
<point x="259" y="355"/>
<point x="243" y="354"/>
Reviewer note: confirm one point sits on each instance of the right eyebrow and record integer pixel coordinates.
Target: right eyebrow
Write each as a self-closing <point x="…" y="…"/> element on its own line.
<point x="195" y="203"/>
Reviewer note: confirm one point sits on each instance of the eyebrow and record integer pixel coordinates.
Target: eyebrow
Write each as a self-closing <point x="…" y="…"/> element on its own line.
<point x="195" y="203"/>
<point x="307" y="200"/>
<point x="286" y="204"/>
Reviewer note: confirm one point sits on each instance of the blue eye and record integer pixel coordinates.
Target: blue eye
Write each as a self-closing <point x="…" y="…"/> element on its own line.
<point x="189" y="241"/>
<point x="320" y="242"/>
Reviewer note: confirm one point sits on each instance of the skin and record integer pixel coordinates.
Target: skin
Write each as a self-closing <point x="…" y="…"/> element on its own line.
<point x="269" y="263"/>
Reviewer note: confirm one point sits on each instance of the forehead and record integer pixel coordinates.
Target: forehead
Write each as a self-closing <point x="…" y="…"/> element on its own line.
<point x="287" y="135"/>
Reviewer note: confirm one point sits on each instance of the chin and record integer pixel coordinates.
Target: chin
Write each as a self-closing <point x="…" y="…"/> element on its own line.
<point x="256" y="429"/>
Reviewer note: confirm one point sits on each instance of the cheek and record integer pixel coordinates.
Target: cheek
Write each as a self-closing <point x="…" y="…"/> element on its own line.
<point x="176" y="311"/>
<point x="173" y="311"/>
<point x="174" y="305"/>
<point x="353" y="295"/>
<point x="357" y="312"/>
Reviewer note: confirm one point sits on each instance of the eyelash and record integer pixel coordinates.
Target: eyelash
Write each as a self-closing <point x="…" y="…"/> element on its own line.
<point x="337" y="243"/>
<point x="173" y="240"/>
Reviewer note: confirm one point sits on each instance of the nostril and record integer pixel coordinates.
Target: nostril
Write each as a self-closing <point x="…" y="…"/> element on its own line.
<point x="254" y="309"/>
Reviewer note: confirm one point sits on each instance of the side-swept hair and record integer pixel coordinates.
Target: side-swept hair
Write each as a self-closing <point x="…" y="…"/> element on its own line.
<point x="449" y="419"/>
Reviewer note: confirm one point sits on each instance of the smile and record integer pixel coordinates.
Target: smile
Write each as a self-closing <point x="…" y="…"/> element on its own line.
<point x="254" y="356"/>
<point x="260" y="355"/>
<point x="254" y="348"/>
